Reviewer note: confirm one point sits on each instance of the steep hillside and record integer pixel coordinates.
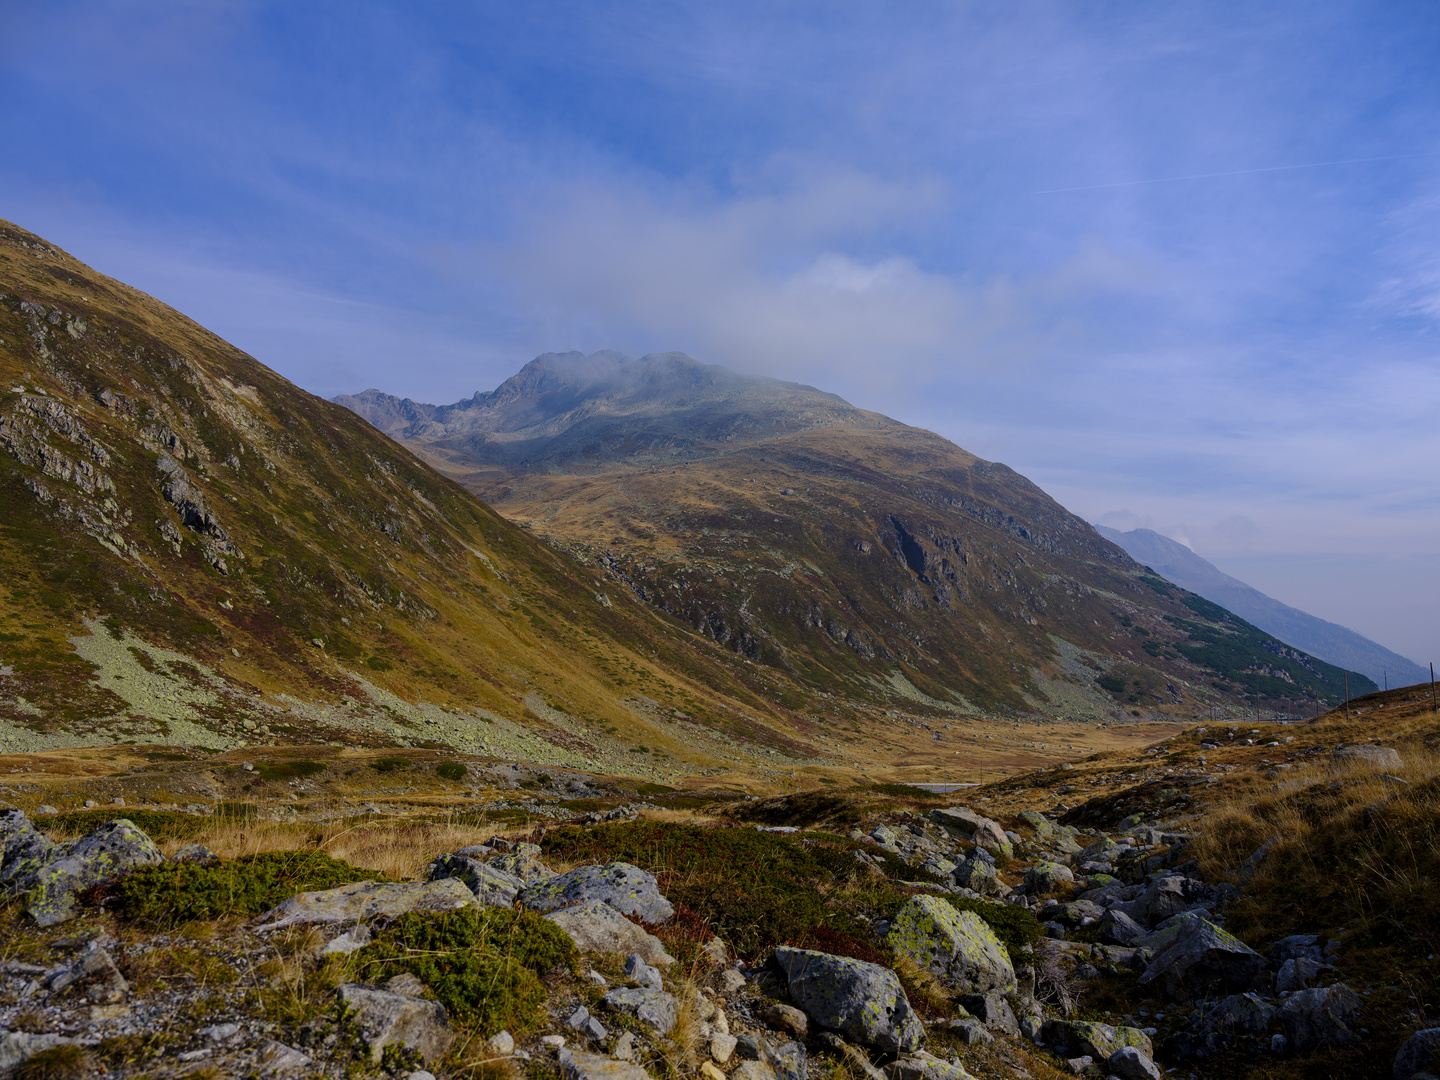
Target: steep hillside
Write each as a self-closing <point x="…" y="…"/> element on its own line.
<point x="1329" y="641"/>
<point x="863" y="557"/>
<point x="196" y="551"/>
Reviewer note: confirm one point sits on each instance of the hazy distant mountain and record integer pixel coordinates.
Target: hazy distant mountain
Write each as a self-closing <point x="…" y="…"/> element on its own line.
<point x="855" y="554"/>
<point x="1329" y="641"/>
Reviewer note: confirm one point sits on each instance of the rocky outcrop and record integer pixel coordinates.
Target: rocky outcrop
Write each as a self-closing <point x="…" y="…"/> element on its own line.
<point x="628" y="889"/>
<point x="111" y="850"/>
<point x="1097" y="1041"/>
<point x="957" y="947"/>
<point x="1319" y="1017"/>
<point x="654" y="1008"/>
<point x="491" y="885"/>
<point x="862" y="1000"/>
<point x="362" y="901"/>
<point x="23" y="850"/>
<point x="1193" y="958"/>
<point x="1419" y="1056"/>
<point x="596" y="927"/>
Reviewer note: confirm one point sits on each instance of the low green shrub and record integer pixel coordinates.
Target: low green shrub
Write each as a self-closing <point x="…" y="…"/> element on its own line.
<point x="174" y="893"/>
<point x="482" y="964"/>
<point x="451" y="770"/>
<point x="288" y="770"/>
<point x="64" y="1062"/>
<point x="389" y="764"/>
<point x="156" y="824"/>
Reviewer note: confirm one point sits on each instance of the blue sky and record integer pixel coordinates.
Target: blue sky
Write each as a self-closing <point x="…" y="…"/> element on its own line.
<point x="1178" y="263"/>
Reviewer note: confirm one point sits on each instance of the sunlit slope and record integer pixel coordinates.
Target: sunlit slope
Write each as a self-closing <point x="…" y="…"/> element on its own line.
<point x="236" y="557"/>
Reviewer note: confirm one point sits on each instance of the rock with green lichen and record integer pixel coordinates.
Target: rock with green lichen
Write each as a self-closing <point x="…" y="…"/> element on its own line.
<point x="383" y="1018"/>
<point x="628" y="889"/>
<point x="957" y="947"/>
<point x="1046" y="876"/>
<point x="1099" y="1041"/>
<point x="862" y="1000"/>
<point x="923" y="1066"/>
<point x="108" y="852"/>
<point x="491" y="886"/>
<point x="23" y="850"/>
<point x="364" y="900"/>
<point x="1191" y="957"/>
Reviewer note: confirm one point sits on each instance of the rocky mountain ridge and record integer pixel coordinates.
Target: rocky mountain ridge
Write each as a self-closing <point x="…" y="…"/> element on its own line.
<point x="856" y="553"/>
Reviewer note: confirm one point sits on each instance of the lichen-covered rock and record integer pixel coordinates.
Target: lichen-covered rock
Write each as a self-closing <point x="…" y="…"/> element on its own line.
<point x="957" y="947"/>
<point x="362" y="901"/>
<point x="1172" y="894"/>
<point x="23" y="850"/>
<point x="578" y="1065"/>
<point x="1046" y="876"/>
<point x="111" y="850"/>
<point x="1191" y="957"/>
<point x="1319" y="1017"/>
<point x="859" y="999"/>
<point x="95" y="972"/>
<point x="382" y="1018"/>
<point x="979" y="876"/>
<point x="992" y="1010"/>
<point x="196" y="853"/>
<point x="492" y="887"/>
<point x="654" y="1008"/>
<point x="596" y="927"/>
<point x="1098" y="1041"/>
<point x="628" y="889"/>
<point x="1238" y="1021"/>
<point x="524" y="868"/>
<point x="1418" y="1056"/>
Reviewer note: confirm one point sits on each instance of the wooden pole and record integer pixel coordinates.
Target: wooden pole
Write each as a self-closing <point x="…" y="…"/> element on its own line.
<point x="1434" y="705"/>
<point x="1347" y="695"/>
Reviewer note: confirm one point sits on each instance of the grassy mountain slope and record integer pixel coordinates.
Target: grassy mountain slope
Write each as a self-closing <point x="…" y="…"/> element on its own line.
<point x="195" y="550"/>
<point x="864" y="558"/>
<point x="1331" y="642"/>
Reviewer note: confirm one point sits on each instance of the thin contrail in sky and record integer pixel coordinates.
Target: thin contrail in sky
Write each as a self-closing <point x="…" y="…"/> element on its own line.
<point x="1234" y="172"/>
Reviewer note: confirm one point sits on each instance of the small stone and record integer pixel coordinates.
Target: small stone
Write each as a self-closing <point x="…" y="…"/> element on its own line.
<point x="46" y="809"/>
<point x="729" y="981"/>
<point x="556" y="1041"/>
<point x="579" y="1065"/>
<point x="710" y="1072"/>
<point x="384" y="1018"/>
<point x="195" y="1055"/>
<point x="407" y="984"/>
<point x="421" y="1074"/>
<point x="90" y="804"/>
<point x="501" y="1043"/>
<point x="654" y="1008"/>
<point x="349" y="942"/>
<point x="196" y="853"/>
<point x="278" y="1057"/>
<point x="643" y="973"/>
<point x="786" y="1018"/>
<point x="596" y="978"/>
<point x="721" y="1047"/>
<point x="576" y="1020"/>
<point x="219" y="1032"/>
<point x="624" y="1046"/>
<point x="1132" y="1063"/>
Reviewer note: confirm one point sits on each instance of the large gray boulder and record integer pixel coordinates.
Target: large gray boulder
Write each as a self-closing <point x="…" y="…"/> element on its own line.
<point x="20" y="1046"/>
<point x="23" y="850"/>
<point x="957" y="947"/>
<point x="1419" y="1056"/>
<point x="362" y="901"/>
<point x="491" y="886"/>
<point x="382" y="1018"/>
<point x="1236" y="1020"/>
<point x="596" y="927"/>
<point x="628" y="889"/>
<point x="864" y="1001"/>
<point x="654" y="1008"/>
<point x="1319" y="1017"/>
<point x="111" y="850"/>
<point x="1172" y="894"/>
<point x="1194" y="958"/>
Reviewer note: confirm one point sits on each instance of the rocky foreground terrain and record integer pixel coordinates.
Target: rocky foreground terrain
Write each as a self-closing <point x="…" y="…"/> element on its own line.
<point x="1280" y="922"/>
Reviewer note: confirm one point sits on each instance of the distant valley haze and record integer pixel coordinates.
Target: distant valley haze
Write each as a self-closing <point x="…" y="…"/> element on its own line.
<point x="1176" y="265"/>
